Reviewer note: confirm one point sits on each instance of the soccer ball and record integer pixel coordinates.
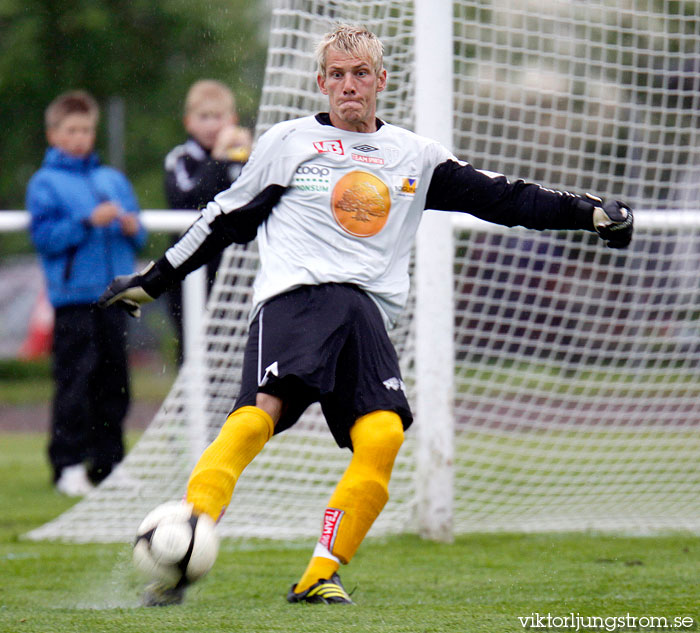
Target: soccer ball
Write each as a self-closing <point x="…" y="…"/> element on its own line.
<point x="175" y="546"/>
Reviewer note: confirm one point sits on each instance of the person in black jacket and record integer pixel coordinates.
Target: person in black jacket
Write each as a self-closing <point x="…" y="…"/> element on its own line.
<point x="208" y="162"/>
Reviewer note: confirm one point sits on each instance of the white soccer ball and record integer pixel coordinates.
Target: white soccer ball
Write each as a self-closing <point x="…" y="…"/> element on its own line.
<point x="175" y="546"/>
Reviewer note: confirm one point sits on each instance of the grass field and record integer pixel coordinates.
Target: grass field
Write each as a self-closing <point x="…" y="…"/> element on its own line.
<point x="29" y="382"/>
<point x="481" y="583"/>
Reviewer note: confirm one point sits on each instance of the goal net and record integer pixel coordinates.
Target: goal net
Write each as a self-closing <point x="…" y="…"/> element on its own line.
<point x="576" y="385"/>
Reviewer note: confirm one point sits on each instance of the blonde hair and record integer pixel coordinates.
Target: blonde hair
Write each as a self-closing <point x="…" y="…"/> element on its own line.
<point x="207" y="91"/>
<point x="351" y="40"/>
<point x="73" y="102"/>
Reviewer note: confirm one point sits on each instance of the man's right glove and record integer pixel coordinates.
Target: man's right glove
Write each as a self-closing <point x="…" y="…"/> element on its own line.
<point x="613" y="221"/>
<point x="132" y="291"/>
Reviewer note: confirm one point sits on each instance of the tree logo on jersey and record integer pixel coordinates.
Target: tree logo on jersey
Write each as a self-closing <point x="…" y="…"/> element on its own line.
<point x="329" y="147"/>
<point x="361" y="202"/>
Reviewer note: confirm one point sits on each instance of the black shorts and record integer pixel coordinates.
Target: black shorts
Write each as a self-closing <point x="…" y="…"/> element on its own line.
<point x="326" y="344"/>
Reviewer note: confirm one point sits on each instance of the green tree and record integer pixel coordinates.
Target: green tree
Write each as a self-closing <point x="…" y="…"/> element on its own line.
<point x="146" y="52"/>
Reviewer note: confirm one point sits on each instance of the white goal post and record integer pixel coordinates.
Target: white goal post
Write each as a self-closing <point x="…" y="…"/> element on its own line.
<point x="569" y="385"/>
<point x="433" y="281"/>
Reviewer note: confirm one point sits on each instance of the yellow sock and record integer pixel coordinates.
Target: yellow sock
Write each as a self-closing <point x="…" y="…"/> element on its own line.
<point x="319" y="567"/>
<point x="361" y="493"/>
<point x="213" y="479"/>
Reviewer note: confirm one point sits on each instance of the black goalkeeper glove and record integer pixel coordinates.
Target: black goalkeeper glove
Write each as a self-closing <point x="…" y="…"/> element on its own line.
<point x="613" y="221"/>
<point x="132" y="291"/>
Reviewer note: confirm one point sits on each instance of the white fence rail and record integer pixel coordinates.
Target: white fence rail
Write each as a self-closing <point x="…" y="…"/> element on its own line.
<point x="194" y="286"/>
<point x="155" y="221"/>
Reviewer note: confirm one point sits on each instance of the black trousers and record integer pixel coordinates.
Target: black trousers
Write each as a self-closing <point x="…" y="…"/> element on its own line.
<point x="91" y="396"/>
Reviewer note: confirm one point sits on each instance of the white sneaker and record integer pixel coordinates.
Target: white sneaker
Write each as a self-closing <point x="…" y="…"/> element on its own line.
<point x="74" y="481"/>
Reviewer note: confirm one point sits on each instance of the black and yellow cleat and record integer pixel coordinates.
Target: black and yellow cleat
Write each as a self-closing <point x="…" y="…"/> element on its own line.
<point x="329" y="591"/>
<point x="158" y="594"/>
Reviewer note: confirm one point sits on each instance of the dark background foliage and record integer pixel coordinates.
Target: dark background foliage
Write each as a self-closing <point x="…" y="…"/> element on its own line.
<point x="140" y="54"/>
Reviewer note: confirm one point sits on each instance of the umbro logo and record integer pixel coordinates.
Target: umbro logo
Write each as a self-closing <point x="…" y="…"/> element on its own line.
<point x="365" y="148"/>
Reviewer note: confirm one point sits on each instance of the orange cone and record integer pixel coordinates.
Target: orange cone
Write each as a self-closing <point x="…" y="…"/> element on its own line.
<point x="37" y="343"/>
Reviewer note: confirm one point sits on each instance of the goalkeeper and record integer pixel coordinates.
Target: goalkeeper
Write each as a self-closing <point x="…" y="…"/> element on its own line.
<point x="335" y="200"/>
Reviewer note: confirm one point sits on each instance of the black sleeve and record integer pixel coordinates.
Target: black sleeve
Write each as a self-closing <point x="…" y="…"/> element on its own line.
<point x="239" y="226"/>
<point x="207" y="177"/>
<point x="459" y="187"/>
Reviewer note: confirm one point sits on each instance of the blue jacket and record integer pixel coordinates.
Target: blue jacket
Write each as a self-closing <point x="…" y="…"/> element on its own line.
<point x="79" y="259"/>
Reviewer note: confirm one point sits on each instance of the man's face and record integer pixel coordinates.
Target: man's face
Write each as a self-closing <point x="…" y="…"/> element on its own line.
<point x="351" y="85"/>
<point x="74" y="134"/>
<point x="205" y="122"/>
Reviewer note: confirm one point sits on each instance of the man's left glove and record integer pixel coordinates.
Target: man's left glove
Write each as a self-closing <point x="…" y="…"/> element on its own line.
<point x="613" y="221"/>
<point x="132" y="291"/>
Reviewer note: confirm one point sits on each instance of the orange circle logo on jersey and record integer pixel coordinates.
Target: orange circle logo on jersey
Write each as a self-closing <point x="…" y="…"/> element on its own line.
<point x="361" y="203"/>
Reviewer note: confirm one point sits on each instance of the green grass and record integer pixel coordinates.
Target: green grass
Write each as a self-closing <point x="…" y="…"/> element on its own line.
<point x="496" y="379"/>
<point x="29" y="382"/>
<point x="481" y="583"/>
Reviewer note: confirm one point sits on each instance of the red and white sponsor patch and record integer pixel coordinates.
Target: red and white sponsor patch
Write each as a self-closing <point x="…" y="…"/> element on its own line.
<point x="370" y="160"/>
<point x="329" y="147"/>
<point x="331" y="522"/>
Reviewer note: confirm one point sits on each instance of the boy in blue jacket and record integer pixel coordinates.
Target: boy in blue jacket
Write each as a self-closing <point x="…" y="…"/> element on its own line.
<point x="85" y="226"/>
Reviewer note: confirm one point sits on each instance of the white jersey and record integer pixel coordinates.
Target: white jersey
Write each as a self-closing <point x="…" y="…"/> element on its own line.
<point x="331" y="206"/>
<point x="351" y="208"/>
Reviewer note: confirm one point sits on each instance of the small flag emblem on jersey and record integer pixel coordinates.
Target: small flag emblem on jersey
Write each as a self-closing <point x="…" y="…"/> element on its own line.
<point x="405" y="185"/>
<point x="409" y="185"/>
